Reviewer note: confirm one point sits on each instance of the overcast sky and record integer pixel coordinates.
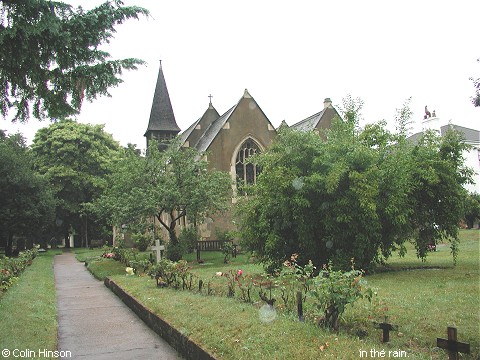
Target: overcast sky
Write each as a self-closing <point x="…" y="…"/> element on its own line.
<point x="290" y="55"/>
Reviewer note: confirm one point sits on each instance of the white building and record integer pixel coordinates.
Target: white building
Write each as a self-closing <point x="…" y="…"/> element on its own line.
<point x="471" y="137"/>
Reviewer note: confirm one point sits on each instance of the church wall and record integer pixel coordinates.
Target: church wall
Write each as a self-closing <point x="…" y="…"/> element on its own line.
<point x="327" y="118"/>
<point x="247" y="120"/>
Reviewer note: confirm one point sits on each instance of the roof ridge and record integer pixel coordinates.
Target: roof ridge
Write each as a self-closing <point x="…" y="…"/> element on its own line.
<point x="204" y="141"/>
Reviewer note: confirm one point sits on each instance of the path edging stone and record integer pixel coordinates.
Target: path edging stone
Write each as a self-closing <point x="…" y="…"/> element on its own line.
<point x="185" y="346"/>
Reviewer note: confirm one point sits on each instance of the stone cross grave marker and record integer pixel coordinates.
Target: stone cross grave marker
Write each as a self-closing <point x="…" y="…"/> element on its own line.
<point x="452" y="345"/>
<point x="158" y="250"/>
<point x="386" y="327"/>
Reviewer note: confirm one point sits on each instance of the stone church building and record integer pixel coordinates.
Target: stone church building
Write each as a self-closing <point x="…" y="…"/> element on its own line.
<point x="229" y="139"/>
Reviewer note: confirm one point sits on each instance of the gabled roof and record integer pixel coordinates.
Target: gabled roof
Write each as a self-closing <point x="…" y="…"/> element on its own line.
<point x="322" y="119"/>
<point x="469" y="135"/>
<point x="196" y="130"/>
<point x="212" y="131"/>
<point x="161" y="115"/>
<point x="214" y="128"/>
<point x="309" y="123"/>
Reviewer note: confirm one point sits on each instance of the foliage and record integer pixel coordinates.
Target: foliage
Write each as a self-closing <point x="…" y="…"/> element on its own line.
<point x="334" y="290"/>
<point x="472" y="209"/>
<point x="167" y="185"/>
<point x="173" y="274"/>
<point x="11" y="268"/>
<point x="294" y="278"/>
<point x="75" y="158"/>
<point x="476" y="84"/>
<point x="356" y="194"/>
<point x="227" y="249"/>
<point x="142" y="241"/>
<point x="403" y="118"/>
<point x="189" y="237"/>
<point x="26" y="201"/>
<point x="51" y="57"/>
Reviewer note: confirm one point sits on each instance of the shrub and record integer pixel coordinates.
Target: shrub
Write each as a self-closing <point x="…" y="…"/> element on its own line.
<point x="188" y="238"/>
<point x="333" y="290"/>
<point x="11" y="268"/>
<point x="142" y="241"/>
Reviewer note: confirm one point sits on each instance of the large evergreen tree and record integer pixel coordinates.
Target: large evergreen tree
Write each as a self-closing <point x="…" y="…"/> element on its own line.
<point x="51" y="57"/>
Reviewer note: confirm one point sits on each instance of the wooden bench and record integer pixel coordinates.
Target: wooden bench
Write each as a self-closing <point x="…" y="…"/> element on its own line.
<point x="214" y="245"/>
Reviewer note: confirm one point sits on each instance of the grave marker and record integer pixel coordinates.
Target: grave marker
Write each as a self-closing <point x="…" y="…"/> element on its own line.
<point x="386" y="327"/>
<point x="158" y="250"/>
<point x="452" y="345"/>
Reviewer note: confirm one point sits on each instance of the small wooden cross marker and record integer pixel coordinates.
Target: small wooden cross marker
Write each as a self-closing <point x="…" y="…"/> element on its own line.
<point x="386" y="327"/>
<point x="158" y="250"/>
<point x="452" y="345"/>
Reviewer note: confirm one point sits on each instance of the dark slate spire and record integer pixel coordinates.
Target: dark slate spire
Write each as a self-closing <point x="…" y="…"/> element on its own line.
<point x="162" y="124"/>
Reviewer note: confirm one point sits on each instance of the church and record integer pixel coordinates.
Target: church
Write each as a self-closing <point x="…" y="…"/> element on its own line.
<point x="228" y="139"/>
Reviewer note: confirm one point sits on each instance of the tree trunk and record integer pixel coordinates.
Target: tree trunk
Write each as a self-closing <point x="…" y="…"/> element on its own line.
<point x="174" y="251"/>
<point x="9" y="246"/>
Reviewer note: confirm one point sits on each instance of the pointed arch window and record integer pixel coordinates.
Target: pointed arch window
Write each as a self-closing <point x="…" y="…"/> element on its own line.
<point x="247" y="171"/>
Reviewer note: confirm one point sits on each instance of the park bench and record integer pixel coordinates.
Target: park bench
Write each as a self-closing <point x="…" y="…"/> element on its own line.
<point x="214" y="245"/>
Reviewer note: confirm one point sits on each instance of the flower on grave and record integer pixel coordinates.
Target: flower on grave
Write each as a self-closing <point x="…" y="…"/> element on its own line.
<point x="129" y="271"/>
<point x="109" y="255"/>
<point x="239" y="273"/>
<point x="219" y="273"/>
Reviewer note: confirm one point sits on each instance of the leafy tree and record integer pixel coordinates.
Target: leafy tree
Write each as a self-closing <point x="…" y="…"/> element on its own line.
<point x="26" y="202"/>
<point x="358" y="194"/>
<point x="437" y="192"/>
<point x="476" y="84"/>
<point x="51" y="58"/>
<point x="165" y="185"/>
<point x="472" y="209"/>
<point x="75" y="158"/>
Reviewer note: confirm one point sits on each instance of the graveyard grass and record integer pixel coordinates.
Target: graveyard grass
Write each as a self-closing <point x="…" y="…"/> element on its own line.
<point x="28" y="311"/>
<point x="422" y="298"/>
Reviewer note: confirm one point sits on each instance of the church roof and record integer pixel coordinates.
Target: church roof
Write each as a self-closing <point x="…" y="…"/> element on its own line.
<point x="208" y="117"/>
<point x="212" y="131"/>
<point x="161" y="115"/>
<point x="309" y="123"/>
<point x="321" y="119"/>
<point x="214" y="127"/>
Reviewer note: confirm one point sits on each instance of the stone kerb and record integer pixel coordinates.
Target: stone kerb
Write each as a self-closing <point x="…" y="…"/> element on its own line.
<point x="185" y="346"/>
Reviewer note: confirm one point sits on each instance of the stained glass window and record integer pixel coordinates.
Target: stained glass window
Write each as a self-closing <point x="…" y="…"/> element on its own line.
<point x="247" y="171"/>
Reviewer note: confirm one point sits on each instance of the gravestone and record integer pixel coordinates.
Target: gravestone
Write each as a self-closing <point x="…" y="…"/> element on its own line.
<point x="386" y="328"/>
<point x="452" y="345"/>
<point x="158" y="250"/>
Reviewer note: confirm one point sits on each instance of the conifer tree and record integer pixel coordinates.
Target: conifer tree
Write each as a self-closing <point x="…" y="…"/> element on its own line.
<point x="51" y="57"/>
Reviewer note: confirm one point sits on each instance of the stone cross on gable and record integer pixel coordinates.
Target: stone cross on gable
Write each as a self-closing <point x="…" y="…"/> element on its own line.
<point x="158" y="250"/>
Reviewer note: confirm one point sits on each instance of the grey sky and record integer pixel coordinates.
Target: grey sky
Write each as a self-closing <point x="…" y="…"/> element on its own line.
<point x="290" y="55"/>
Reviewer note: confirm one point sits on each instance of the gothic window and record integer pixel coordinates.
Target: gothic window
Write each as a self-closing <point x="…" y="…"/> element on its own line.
<point x="247" y="171"/>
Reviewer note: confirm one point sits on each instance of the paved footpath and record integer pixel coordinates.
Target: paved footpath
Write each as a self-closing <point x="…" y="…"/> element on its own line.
<point x="93" y="323"/>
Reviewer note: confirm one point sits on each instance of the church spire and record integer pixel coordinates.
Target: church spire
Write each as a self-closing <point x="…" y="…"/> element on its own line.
<point x="162" y="125"/>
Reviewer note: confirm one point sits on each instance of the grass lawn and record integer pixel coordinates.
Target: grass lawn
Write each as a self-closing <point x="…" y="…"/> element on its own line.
<point x="28" y="310"/>
<point x="422" y="298"/>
